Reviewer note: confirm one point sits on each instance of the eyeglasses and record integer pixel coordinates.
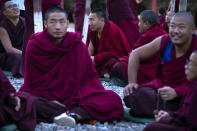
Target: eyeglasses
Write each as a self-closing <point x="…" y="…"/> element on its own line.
<point x="12" y="6"/>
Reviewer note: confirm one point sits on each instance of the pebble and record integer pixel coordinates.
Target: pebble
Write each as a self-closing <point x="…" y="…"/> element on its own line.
<point x="116" y="85"/>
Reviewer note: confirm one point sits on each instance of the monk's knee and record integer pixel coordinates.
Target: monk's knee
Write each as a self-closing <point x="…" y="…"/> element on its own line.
<point x="118" y="71"/>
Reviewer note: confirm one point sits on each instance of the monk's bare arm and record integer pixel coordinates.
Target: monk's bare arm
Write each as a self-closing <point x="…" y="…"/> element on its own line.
<point x="6" y="42"/>
<point x="91" y="48"/>
<point x="140" y="54"/>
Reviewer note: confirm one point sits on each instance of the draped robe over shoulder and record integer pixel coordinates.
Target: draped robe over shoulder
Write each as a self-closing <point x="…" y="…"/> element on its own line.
<point x="173" y="71"/>
<point x="25" y="118"/>
<point x="147" y="69"/>
<point x="29" y="21"/>
<point x="109" y="48"/>
<point x="65" y="73"/>
<point x="170" y="73"/>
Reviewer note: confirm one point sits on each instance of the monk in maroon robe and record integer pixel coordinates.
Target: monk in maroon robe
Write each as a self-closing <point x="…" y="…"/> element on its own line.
<point x="79" y="12"/>
<point x="29" y="22"/>
<point x="70" y="78"/>
<point x="185" y="118"/>
<point x="168" y="17"/>
<point x="120" y="13"/>
<point x="11" y="39"/>
<point x="165" y="91"/>
<point x="1" y="13"/>
<point x="106" y="42"/>
<point x="149" y="29"/>
<point x="17" y="108"/>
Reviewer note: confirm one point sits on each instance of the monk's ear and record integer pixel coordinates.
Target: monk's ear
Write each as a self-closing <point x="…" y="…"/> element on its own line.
<point x="45" y="23"/>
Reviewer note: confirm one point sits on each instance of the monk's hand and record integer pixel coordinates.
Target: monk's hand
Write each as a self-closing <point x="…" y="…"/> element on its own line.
<point x="92" y="57"/>
<point x="139" y="1"/>
<point x="160" y="115"/>
<point x="129" y="89"/>
<point x="14" y="101"/>
<point x="167" y="93"/>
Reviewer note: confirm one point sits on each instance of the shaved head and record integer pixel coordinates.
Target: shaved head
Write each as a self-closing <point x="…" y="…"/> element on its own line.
<point x="187" y="16"/>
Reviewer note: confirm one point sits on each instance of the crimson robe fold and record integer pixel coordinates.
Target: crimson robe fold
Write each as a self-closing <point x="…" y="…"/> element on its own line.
<point x="65" y="73"/>
<point x="147" y="69"/>
<point x="25" y="118"/>
<point x="109" y="48"/>
<point x="29" y="21"/>
<point x="172" y="72"/>
<point x="184" y="119"/>
<point x="119" y="11"/>
<point x="79" y="12"/>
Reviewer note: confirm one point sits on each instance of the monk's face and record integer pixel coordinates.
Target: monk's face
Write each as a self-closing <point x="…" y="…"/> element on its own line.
<point x="11" y="9"/>
<point x="57" y="24"/>
<point x="180" y="30"/>
<point x="191" y="67"/>
<point x="143" y="26"/>
<point x="95" y="23"/>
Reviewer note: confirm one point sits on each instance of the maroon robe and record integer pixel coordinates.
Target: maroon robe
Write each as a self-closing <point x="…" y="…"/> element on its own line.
<point x="1" y="13"/>
<point x="134" y="8"/>
<point x="29" y="22"/>
<point x="165" y="27"/>
<point x="70" y="76"/>
<point x="168" y="75"/>
<point x="12" y="61"/>
<point x="184" y="119"/>
<point x="112" y="45"/>
<point x="162" y="19"/>
<point x="147" y="69"/>
<point x="120" y="13"/>
<point x="25" y="118"/>
<point x="79" y="12"/>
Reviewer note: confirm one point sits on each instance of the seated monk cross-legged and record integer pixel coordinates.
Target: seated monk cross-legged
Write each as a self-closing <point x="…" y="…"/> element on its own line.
<point x="16" y="107"/>
<point x="59" y="70"/>
<point x="106" y="42"/>
<point x="11" y="38"/>
<point x="170" y="85"/>
<point x="149" y="29"/>
<point x="185" y="118"/>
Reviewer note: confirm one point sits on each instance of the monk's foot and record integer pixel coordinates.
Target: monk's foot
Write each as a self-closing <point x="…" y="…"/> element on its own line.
<point x="65" y="120"/>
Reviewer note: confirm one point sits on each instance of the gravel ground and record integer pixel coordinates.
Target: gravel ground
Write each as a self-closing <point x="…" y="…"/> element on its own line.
<point x="113" y="84"/>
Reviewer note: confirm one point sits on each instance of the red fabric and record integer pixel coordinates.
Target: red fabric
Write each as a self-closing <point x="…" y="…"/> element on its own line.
<point x="25" y="118"/>
<point x="65" y="73"/>
<point x="165" y="27"/>
<point x="120" y="12"/>
<point x="1" y="13"/>
<point x="162" y="19"/>
<point x="134" y="7"/>
<point x="173" y="71"/>
<point x="79" y="12"/>
<point x="147" y="69"/>
<point x="185" y="118"/>
<point x="111" y="46"/>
